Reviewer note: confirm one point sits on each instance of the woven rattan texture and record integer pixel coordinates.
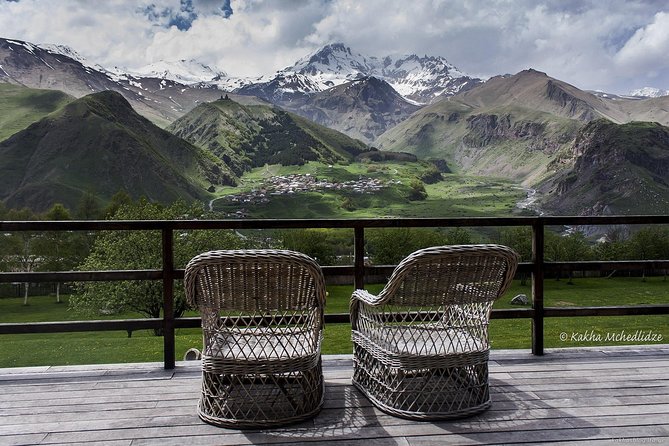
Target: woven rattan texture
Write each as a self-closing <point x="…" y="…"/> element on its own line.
<point x="262" y="323"/>
<point x="421" y="346"/>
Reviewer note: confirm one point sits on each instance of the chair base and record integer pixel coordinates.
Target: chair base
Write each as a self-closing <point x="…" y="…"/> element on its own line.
<point x="422" y="394"/>
<point x="261" y="401"/>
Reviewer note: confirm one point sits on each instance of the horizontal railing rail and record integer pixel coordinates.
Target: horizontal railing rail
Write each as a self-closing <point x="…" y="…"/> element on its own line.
<point x="538" y="267"/>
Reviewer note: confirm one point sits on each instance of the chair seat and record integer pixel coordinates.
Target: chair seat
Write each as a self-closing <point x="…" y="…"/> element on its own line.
<point x="425" y="340"/>
<point x="261" y="350"/>
<point x="413" y="348"/>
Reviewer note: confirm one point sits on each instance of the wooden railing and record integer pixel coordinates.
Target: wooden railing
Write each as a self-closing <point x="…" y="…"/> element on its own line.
<point x="168" y="274"/>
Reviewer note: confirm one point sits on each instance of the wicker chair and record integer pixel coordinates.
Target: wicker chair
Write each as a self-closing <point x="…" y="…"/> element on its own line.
<point x="262" y="322"/>
<point x="421" y="346"/>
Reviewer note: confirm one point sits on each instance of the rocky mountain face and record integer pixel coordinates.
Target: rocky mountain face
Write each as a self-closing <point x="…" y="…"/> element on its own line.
<point x="99" y="144"/>
<point x="32" y="66"/>
<point x="613" y="169"/>
<point x="363" y="109"/>
<point x="255" y="135"/>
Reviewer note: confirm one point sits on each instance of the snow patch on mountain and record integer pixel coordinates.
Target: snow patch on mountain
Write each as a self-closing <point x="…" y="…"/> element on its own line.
<point x="64" y="50"/>
<point x="183" y="71"/>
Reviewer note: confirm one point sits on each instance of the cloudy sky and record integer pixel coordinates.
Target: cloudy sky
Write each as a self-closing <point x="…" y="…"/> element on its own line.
<point x="615" y="45"/>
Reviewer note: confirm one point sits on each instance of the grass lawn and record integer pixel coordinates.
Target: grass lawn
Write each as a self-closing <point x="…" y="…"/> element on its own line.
<point x="116" y="347"/>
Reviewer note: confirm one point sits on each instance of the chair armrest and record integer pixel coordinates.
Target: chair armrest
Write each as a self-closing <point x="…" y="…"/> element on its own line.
<point x="366" y="297"/>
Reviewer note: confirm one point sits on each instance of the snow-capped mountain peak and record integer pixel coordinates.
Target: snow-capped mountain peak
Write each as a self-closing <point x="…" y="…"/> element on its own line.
<point x="417" y="79"/>
<point x="335" y="58"/>
<point x="329" y="66"/>
<point x="182" y="71"/>
<point x="649" y="92"/>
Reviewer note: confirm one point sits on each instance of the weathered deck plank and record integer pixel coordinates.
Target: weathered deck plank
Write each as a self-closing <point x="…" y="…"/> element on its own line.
<point x="574" y="396"/>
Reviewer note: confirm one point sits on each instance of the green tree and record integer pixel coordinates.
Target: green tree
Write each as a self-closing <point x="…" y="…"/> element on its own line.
<point x="315" y="243"/>
<point x="457" y="236"/>
<point x="119" y="199"/>
<point x="56" y="249"/>
<point x="390" y="246"/>
<point x="567" y="248"/>
<point x="119" y="250"/>
<point x="88" y="207"/>
<point x="518" y="238"/>
<point x="610" y="250"/>
<point x="417" y="190"/>
<point x="18" y="250"/>
<point x="650" y="243"/>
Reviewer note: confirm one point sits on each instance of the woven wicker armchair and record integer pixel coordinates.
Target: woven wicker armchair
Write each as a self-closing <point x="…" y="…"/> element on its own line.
<point x="421" y="346"/>
<point x="262" y="322"/>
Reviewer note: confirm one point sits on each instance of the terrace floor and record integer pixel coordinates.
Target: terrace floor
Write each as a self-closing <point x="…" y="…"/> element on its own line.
<point x="602" y="395"/>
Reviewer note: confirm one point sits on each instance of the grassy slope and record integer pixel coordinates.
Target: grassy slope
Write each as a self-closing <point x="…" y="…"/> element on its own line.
<point x="438" y="131"/>
<point x="246" y="136"/>
<point x="21" y="106"/>
<point x="113" y="347"/>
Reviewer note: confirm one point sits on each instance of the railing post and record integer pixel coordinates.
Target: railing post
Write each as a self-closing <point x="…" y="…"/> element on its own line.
<point x="538" y="287"/>
<point x="359" y="257"/>
<point x="168" y="298"/>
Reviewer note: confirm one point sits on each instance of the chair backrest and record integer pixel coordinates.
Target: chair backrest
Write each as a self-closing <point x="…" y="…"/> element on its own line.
<point x="255" y="281"/>
<point x="451" y="275"/>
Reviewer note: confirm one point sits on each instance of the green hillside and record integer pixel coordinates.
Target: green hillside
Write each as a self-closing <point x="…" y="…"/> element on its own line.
<point x="21" y="106"/>
<point x="98" y="144"/>
<point x="507" y="141"/>
<point x="254" y="135"/>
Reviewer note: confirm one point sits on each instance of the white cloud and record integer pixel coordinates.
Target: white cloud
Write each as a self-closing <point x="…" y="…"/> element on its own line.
<point x="614" y="46"/>
<point x="645" y="53"/>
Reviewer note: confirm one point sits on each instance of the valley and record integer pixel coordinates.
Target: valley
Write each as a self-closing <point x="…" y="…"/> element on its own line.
<point x="362" y="190"/>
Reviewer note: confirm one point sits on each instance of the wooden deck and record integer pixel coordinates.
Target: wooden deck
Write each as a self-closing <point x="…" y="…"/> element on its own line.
<point x="608" y="395"/>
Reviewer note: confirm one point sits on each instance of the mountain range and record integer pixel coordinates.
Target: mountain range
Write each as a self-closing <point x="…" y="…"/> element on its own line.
<point x="539" y="131"/>
<point x="420" y="80"/>
<point x="164" y="91"/>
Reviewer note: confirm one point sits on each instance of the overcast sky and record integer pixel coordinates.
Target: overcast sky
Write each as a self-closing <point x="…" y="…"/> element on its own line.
<point x="614" y="46"/>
